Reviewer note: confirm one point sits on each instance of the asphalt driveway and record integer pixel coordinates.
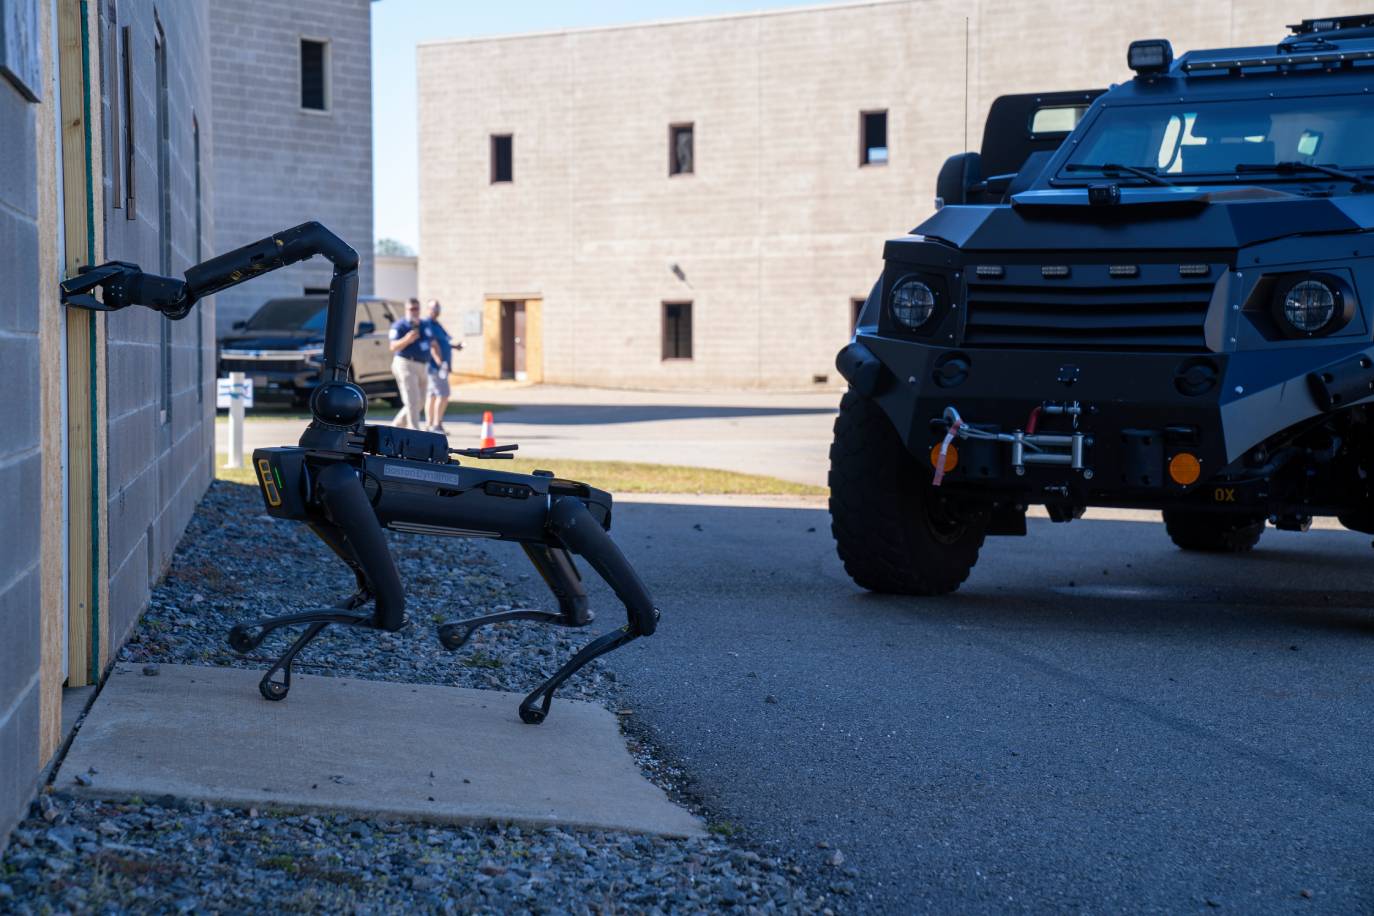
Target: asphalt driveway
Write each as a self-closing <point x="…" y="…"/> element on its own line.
<point x="1097" y="722"/>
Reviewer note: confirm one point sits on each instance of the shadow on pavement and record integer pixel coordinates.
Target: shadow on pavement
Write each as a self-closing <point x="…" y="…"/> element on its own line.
<point x="602" y="414"/>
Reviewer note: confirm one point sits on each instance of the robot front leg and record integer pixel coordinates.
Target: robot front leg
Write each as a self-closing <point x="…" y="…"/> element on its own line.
<point x="351" y="530"/>
<point x="572" y="526"/>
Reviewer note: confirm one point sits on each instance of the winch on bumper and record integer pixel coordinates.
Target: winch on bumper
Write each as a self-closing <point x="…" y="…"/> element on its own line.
<point x="1128" y="429"/>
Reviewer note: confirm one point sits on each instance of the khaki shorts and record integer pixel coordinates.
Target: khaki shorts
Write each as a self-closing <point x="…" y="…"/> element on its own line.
<point x="438" y="384"/>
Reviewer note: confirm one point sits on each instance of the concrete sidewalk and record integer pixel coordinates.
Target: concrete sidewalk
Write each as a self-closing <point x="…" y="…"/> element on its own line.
<point x="372" y="748"/>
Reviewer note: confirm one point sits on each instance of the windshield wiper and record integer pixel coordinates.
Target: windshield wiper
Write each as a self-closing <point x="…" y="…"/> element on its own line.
<point x="1149" y="173"/>
<point x="1290" y="166"/>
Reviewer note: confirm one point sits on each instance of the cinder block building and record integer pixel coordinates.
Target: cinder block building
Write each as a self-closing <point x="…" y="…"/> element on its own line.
<point x="292" y="97"/>
<point x="700" y="203"/>
<point x="108" y="120"/>
<point x="109" y="433"/>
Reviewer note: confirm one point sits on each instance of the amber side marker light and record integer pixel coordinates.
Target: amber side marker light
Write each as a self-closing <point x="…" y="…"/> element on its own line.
<point x="951" y="458"/>
<point x="1185" y="469"/>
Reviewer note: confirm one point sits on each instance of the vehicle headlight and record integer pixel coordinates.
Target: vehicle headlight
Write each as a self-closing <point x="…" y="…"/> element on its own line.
<point x="1309" y="306"/>
<point x="913" y="302"/>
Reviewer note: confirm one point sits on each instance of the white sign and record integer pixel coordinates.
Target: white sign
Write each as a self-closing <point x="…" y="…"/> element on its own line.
<point x="227" y="391"/>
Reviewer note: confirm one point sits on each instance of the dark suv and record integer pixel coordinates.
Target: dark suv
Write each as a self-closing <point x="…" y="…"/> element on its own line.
<point x="1168" y="306"/>
<point x="281" y="346"/>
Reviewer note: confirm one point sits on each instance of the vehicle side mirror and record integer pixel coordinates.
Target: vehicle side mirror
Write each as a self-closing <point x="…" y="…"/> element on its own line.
<point x="957" y="177"/>
<point x="239" y="325"/>
<point x="365" y="328"/>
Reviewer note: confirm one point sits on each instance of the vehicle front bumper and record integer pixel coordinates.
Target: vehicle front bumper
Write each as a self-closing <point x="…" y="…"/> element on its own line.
<point x="1135" y="413"/>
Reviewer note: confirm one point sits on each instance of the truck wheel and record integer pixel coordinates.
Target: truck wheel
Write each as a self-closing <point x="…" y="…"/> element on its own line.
<point x="1213" y="532"/>
<point x="894" y="532"/>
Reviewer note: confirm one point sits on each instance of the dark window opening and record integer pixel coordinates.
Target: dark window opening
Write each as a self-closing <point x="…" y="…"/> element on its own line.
<point x="200" y="254"/>
<point x="130" y="155"/>
<point x="680" y="149"/>
<point x="314" y="80"/>
<point x="677" y="330"/>
<point x="317" y="291"/>
<point x="502" y="167"/>
<point x="114" y="126"/>
<point x="856" y="305"/>
<point x="164" y="214"/>
<point x="873" y="138"/>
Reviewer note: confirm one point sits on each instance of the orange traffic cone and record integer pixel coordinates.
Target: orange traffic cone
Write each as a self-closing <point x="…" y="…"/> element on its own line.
<point x="488" y="430"/>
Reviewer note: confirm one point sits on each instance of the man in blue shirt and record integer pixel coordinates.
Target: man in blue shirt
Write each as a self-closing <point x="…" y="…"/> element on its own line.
<point x="412" y="344"/>
<point x="440" y="367"/>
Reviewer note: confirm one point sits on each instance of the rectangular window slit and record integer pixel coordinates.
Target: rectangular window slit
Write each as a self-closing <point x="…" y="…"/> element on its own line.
<point x="314" y="75"/>
<point x="502" y="166"/>
<point x="681" y="151"/>
<point x="873" y="138"/>
<point x="677" y="330"/>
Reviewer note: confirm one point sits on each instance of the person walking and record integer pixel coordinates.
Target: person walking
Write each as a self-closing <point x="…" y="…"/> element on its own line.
<point x="411" y="346"/>
<point x="440" y="367"/>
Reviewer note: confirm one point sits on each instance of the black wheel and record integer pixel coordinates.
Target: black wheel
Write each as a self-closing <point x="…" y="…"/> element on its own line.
<point x="453" y="636"/>
<point x="894" y="531"/>
<point x="242" y="639"/>
<point x="1213" y="532"/>
<point x="273" y="690"/>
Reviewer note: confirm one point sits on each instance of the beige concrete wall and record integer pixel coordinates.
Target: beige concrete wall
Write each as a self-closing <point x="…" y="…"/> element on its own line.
<point x="779" y="227"/>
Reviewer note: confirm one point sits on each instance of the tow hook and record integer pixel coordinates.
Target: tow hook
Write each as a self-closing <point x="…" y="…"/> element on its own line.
<point x="1027" y="446"/>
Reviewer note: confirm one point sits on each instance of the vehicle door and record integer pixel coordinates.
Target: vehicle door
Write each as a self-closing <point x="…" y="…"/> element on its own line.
<point x="371" y="355"/>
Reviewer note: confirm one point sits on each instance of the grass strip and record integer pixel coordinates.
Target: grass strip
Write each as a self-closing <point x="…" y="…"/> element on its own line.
<point x="615" y="476"/>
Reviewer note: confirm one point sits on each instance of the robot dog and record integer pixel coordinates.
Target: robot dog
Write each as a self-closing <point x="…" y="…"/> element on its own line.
<point x="348" y="480"/>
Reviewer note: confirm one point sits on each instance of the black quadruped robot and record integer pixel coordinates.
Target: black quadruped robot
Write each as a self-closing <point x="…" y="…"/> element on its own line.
<point x="348" y="480"/>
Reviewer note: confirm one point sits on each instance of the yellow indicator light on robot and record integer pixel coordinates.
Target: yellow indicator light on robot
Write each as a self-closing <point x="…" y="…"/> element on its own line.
<point x="951" y="457"/>
<point x="1185" y="469"/>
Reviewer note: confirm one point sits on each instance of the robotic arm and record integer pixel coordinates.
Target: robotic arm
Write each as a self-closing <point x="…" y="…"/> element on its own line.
<point x="348" y="481"/>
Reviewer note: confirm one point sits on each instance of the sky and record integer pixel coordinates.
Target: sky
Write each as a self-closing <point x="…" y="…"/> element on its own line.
<point x="398" y="25"/>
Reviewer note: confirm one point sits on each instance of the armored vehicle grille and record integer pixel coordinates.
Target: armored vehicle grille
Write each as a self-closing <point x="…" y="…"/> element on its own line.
<point x="1094" y="313"/>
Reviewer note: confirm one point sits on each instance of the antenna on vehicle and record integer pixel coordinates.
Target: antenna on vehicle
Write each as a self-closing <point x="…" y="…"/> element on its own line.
<point x="965" y="83"/>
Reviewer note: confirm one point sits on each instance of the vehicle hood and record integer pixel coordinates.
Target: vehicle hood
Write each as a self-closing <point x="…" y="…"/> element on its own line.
<point x="1146" y="218"/>
<point x="271" y="340"/>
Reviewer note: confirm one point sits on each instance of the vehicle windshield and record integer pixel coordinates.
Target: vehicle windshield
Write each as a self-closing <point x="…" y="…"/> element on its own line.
<point x="1210" y="139"/>
<point x="289" y="315"/>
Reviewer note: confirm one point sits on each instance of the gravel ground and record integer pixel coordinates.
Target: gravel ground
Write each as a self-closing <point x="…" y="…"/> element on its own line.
<point x="173" y="855"/>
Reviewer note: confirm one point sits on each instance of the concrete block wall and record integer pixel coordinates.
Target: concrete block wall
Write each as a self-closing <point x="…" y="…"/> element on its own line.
<point x="779" y="227"/>
<point x="277" y="165"/>
<point x="20" y="456"/>
<point x="158" y="466"/>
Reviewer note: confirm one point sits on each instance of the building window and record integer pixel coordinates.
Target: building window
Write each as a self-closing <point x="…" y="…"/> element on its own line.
<point x="677" y="330"/>
<point x="200" y="254"/>
<point x="130" y="153"/>
<point x="873" y="138"/>
<point x="680" y="149"/>
<point x="856" y="305"/>
<point x="502" y="167"/>
<point x="109" y="56"/>
<point x="314" y="75"/>
<point x="164" y="212"/>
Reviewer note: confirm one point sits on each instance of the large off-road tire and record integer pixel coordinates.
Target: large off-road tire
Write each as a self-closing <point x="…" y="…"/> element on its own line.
<point x="1213" y="532"/>
<point x="895" y="532"/>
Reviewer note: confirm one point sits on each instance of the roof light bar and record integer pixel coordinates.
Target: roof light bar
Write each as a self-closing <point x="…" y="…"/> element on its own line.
<point x="1278" y="60"/>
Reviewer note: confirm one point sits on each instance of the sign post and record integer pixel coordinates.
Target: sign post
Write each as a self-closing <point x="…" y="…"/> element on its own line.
<point x="235" y="393"/>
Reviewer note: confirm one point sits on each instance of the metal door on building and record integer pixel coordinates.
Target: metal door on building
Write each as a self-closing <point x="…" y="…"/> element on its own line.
<point x="513" y="340"/>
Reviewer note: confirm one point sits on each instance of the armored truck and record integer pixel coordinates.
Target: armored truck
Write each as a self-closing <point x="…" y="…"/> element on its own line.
<point x="1159" y="296"/>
